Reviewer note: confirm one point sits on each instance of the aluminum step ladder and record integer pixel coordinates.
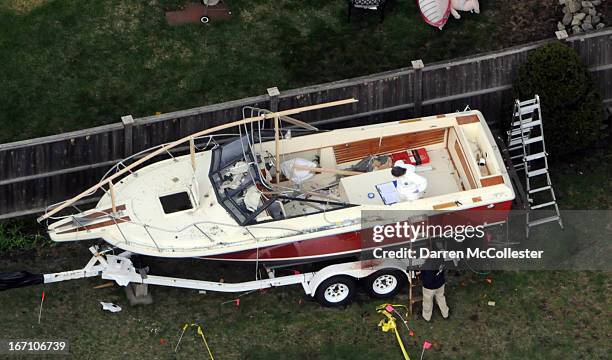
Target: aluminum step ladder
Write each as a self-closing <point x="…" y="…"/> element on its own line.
<point x="527" y="151"/>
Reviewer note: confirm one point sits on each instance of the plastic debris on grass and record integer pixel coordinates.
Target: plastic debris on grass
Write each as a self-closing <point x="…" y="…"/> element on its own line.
<point x="110" y="307"/>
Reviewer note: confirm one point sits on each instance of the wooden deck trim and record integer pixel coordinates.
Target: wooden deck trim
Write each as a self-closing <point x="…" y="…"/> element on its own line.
<point x="464" y="164"/>
<point x="409" y="120"/>
<point x="492" y="180"/>
<point x="468" y="119"/>
<point x="386" y="145"/>
<point x="97" y="225"/>
<point x="444" y="205"/>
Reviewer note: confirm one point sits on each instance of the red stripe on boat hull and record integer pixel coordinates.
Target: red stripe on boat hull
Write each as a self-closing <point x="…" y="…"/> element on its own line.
<point x="344" y="244"/>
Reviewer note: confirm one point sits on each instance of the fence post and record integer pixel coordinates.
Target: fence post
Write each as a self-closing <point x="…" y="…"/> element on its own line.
<point x="417" y="86"/>
<point x="273" y="94"/>
<point x="128" y="124"/>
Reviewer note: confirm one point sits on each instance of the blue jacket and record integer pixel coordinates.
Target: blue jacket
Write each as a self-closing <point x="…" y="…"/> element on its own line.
<point x="432" y="279"/>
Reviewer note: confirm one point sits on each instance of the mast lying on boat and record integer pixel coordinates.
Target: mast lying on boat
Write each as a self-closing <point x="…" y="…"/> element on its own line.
<point x="272" y="115"/>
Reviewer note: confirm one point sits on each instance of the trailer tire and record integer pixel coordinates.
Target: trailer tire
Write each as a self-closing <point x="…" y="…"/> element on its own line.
<point x="336" y="291"/>
<point x="385" y="283"/>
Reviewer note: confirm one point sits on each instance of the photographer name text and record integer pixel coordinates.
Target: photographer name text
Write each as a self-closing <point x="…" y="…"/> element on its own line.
<point x="469" y="253"/>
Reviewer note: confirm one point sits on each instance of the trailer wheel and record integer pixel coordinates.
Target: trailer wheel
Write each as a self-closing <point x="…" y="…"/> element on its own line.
<point x="385" y="283"/>
<point x="204" y="19"/>
<point x="336" y="291"/>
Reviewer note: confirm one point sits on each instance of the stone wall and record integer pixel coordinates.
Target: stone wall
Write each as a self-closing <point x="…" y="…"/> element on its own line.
<point x="581" y="16"/>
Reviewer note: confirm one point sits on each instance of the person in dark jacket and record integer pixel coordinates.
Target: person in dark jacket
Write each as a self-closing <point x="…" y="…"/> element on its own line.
<point x="433" y="281"/>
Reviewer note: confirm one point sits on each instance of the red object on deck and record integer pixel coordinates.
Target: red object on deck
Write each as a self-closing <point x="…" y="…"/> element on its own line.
<point x="412" y="157"/>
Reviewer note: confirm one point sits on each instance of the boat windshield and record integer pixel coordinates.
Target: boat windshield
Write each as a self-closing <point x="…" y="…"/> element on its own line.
<point x="236" y="177"/>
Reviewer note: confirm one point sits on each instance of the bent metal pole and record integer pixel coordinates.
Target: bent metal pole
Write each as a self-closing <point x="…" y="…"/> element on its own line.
<point x="175" y="143"/>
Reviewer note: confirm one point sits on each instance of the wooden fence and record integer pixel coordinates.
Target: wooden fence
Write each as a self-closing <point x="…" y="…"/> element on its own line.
<point x="38" y="172"/>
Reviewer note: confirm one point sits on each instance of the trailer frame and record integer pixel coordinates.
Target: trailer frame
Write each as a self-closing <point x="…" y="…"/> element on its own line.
<point x="121" y="270"/>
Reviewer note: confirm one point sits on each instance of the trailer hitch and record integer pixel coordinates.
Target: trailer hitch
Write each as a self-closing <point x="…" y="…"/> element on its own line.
<point x="111" y="267"/>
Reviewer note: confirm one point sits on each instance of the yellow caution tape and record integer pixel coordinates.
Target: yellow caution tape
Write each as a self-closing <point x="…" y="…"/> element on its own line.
<point x="200" y="332"/>
<point x="389" y="324"/>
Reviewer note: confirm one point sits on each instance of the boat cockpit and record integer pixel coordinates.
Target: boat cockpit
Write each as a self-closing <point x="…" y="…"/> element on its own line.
<point x="241" y="180"/>
<point x="459" y="157"/>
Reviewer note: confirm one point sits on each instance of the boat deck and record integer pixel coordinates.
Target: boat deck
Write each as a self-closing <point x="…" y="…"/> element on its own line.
<point x="208" y="222"/>
<point x="440" y="173"/>
<point x="442" y="178"/>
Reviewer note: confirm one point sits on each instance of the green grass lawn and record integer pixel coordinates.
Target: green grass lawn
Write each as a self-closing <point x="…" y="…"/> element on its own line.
<point x="69" y="65"/>
<point x="538" y="315"/>
<point x="583" y="181"/>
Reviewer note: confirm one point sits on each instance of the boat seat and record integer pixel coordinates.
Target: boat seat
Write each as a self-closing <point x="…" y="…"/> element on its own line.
<point x="276" y="211"/>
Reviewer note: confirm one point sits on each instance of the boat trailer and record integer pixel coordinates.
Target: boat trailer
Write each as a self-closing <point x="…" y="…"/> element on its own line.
<point x="333" y="285"/>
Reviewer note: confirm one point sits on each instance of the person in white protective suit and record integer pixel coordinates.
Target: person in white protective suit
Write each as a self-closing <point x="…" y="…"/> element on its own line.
<point x="410" y="185"/>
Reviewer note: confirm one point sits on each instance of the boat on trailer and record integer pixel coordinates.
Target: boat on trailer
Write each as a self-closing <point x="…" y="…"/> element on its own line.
<point x="239" y="200"/>
<point x="267" y="197"/>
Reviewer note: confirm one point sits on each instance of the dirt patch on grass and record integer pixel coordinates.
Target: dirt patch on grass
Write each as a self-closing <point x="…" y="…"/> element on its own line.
<point x="23" y="6"/>
<point x="126" y="15"/>
<point x="527" y="20"/>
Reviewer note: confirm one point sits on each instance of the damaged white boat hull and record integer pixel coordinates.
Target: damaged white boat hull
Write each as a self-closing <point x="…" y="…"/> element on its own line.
<point x="227" y="204"/>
